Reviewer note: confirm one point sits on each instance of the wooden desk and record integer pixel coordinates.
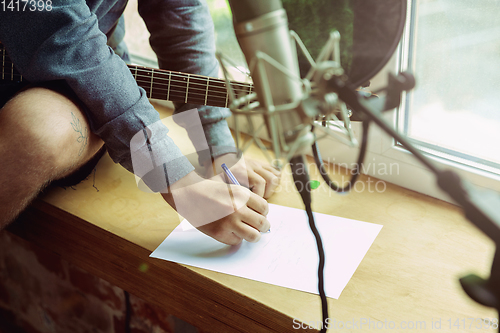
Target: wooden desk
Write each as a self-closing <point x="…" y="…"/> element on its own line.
<point x="409" y="274"/>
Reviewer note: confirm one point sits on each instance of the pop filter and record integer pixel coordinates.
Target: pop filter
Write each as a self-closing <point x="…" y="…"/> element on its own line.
<point x="370" y="31"/>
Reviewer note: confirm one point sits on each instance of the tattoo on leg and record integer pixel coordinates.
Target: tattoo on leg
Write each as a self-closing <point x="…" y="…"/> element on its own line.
<point x="82" y="131"/>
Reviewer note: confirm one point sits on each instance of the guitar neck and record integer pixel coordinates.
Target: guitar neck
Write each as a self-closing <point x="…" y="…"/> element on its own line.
<point x="186" y="88"/>
<point x="161" y="84"/>
<point x="9" y="72"/>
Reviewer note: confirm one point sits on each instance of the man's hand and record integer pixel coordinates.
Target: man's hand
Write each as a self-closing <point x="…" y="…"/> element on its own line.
<point x="260" y="178"/>
<point x="227" y="213"/>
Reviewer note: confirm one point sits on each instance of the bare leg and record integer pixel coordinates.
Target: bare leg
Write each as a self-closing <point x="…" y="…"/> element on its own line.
<point x="43" y="136"/>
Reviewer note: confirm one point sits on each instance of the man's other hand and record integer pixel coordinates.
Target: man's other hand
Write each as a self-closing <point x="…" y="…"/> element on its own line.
<point x="261" y="178"/>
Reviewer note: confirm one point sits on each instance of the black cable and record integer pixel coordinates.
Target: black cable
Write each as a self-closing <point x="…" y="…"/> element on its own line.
<point x="321" y="267"/>
<point x="301" y="176"/>
<point x="361" y="158"/>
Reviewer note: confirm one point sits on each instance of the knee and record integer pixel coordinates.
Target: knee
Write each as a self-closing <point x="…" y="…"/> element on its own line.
<point x="44" y="127"/>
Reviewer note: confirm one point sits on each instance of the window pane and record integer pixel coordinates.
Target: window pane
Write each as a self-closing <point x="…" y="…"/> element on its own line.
<point x="225" y="38"/>
<point x="455" y="57"/>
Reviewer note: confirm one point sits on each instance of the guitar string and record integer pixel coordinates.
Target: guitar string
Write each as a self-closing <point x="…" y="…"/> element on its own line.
<point x="183" y="87"/>
<point x="243" y="88"/>
<point x="180" y="96"/>
<point x="175" y="91"/>
<point x="183" y="84"/>
<point x="182" y="90"/>
<point x="216" y="92"/>
<point x="201" y="93"/>
<point x="184" y="75"/>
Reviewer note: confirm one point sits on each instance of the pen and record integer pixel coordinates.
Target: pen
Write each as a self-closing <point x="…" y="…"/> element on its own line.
<point x="233" y="179"/>
<point x="229" y="174"/>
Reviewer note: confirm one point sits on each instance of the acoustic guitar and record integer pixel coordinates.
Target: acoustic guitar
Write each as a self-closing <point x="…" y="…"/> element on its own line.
<point x="161" y="84"/>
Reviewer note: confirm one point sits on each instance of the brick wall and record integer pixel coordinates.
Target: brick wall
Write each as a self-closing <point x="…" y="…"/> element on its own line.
<point x="42" y="293"/>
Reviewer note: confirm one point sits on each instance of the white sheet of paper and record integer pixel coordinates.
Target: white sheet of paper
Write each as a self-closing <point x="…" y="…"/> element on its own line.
<point x="287" y="256"/>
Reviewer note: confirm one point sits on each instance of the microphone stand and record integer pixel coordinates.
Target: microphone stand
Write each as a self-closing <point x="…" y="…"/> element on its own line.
<point x="481" y="207"/>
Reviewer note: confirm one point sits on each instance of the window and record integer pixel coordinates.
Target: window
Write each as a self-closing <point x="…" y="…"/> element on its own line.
<point x="137" y="35"/>
<point x="454" y="112"/>
<point x="225" y="39"/>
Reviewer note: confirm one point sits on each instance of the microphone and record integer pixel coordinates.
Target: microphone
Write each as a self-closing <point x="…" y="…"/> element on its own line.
<point x="261" y="27"/>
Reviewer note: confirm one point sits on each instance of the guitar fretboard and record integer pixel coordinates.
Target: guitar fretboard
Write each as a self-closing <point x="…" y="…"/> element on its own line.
<point x="9" y="72"/>
<point x="162" y="84"/>
<point x="187" y="88"/>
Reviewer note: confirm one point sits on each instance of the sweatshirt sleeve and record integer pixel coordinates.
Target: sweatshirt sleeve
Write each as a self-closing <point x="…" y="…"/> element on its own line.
<point x="65" y="43"/>
<point x="182" y="36"/>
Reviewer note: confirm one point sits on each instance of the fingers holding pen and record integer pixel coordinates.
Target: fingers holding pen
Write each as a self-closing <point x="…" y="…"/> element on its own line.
<point x="244" y="198"/>
<point x="248" y="221"/>
<point x="258" y="204"/>
<point x="255" y="220"/>
<point x="248" y="225"/>
<point x="227" y="216"/>
<point x="244" y="224"/>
